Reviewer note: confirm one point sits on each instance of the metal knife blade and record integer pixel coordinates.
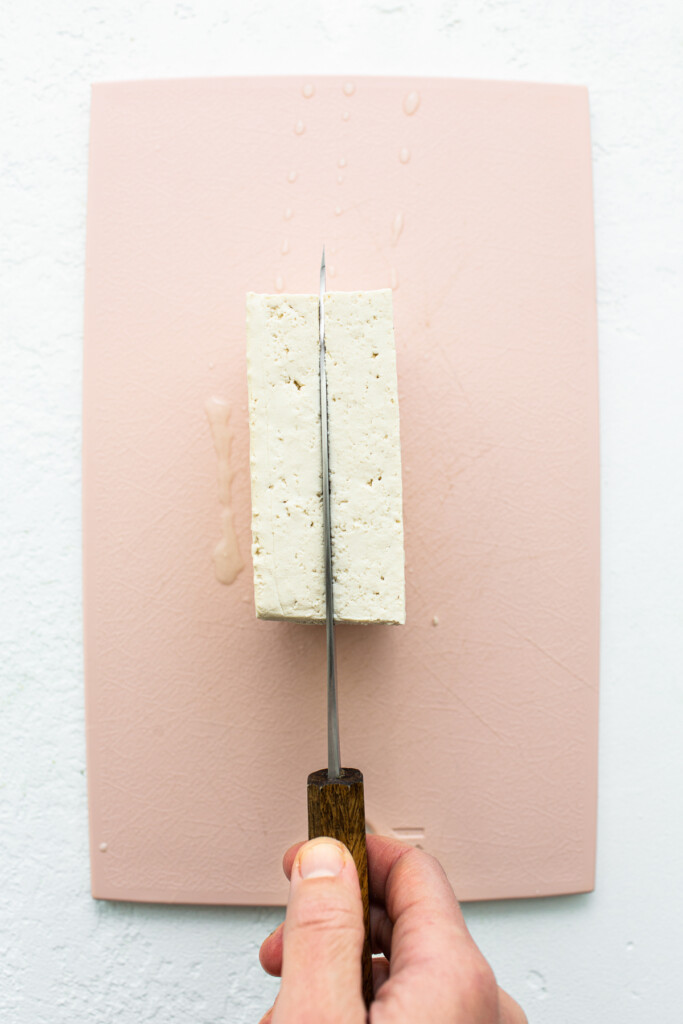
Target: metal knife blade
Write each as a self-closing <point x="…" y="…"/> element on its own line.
<point x="333" y="755"/>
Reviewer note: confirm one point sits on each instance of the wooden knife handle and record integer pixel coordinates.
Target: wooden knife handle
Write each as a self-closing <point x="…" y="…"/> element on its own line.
<point x="336" y="808"/>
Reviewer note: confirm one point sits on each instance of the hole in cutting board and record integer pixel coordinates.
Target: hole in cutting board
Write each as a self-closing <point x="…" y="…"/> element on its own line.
<point x="414" y="835"/>
<point x="408" y="834"/>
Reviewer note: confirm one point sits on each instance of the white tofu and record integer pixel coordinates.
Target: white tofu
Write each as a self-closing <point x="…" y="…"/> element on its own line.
<point x="365" y="457"/>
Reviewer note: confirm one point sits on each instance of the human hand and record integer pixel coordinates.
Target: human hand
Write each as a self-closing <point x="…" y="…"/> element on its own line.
<point x="431" y="971"/>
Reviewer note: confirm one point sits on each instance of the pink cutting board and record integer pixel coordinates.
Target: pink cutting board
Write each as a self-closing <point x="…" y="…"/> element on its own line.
<point x="476" y="723"/>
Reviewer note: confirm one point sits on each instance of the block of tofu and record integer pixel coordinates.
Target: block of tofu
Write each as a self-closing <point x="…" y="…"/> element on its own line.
<point x="365" y="457"/>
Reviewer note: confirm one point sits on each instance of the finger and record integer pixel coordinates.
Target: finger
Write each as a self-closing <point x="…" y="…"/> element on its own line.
<point x="270" y="953"/>
<point x="435" y="964"/>
<point x="273" y="950"/>
<point x="288" y="859"/>
<point x="380" y="930"/>
<point x="267" y="1017"/>
<point x="384" y="866"/>
<point x="411" y="884"/>
<point x="380" y="972"/>
<point x="510" y="1010"/>
<point x="322" y="939"/>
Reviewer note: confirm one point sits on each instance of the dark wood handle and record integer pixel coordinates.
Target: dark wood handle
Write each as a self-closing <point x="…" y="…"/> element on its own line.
<point x="336" y="808"/>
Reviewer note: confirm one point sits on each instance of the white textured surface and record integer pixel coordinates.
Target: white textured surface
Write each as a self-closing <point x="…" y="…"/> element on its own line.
<point x="610" y="956"/>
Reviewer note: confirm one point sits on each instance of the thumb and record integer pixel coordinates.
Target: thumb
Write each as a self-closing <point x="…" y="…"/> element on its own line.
<point x="322" y="939"/>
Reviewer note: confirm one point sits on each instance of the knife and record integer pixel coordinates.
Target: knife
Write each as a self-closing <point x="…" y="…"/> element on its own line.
<point x="336" y="799"/>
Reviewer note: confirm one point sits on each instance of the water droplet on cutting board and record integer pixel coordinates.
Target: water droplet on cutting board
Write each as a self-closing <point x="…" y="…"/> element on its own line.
<point x="340" y="179"/>
<point x="345" y="115"/>
<point x="411" y="103"/>
<point x="396" y="227"/>
<point x="341" y="162"/>
<point x="103" y="847"/>
<point x="308" y="90"/>
<point x="288" y="213"/>
<point x="404" y="155"/>
<point x="279" y="284"/>
<point x="393" y="278"/>
<point x="285" y="247"/>
<point x="337" y="211"/>
<point x="299" y="128"/>
<point x="291" y="177"/>
<point x="349" y="89"/>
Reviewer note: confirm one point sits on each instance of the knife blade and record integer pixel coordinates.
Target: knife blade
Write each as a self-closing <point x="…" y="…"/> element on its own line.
<point x="336" y="796"/>
<point x="333" y="754"/>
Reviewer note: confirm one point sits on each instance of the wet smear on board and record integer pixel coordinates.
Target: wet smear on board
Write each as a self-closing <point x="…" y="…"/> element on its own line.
<point x="227" y="559"/>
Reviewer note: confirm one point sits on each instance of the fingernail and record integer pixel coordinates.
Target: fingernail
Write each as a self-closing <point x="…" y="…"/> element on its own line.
<point x="322" y="859"/>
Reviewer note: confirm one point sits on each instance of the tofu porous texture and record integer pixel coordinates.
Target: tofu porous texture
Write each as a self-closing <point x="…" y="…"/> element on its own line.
<point x="283" y="356"/>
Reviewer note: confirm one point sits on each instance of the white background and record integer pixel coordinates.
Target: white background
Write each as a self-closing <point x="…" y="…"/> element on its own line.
<point x="614" y="955"/>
